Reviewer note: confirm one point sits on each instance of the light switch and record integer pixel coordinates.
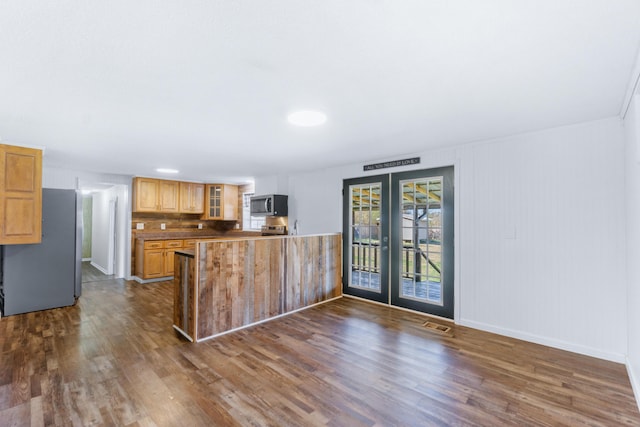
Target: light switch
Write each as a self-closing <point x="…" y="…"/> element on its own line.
<point x="140" y="226"/>
<point x="199" y="226"/>
<point x="163" y="226"/>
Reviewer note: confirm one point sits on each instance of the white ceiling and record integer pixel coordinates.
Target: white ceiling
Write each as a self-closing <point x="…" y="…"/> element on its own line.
<point x="204" y="86"/>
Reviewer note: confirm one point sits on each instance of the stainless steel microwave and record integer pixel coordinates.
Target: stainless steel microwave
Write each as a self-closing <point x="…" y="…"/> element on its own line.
<point x="270" y="205"/>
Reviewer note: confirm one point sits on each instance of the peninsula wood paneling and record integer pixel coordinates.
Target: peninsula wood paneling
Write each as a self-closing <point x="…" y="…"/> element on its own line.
<point x="184" y="270"/>
<point x="241" y="282"/>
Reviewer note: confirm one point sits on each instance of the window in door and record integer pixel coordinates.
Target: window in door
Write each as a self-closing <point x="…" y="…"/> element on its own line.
<point x="365" y="238"/>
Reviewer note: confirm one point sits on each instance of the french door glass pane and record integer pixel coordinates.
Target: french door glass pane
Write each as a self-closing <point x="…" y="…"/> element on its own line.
<point x="420" y="272"/>
<point x="365" y="236"/>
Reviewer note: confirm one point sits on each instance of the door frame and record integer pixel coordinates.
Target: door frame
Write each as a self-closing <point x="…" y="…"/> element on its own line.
<point x="454" y="228"/>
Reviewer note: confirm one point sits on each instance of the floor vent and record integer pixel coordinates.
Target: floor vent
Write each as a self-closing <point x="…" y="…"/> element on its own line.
<point x="445" y="330"/>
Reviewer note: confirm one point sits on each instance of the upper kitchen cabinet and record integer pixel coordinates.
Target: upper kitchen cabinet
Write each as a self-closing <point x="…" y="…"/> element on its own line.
<point x="221" y="202"/>
<point x="155" y="195"/>
<point x="20" y="195"/>
<point x="191" y="197"/>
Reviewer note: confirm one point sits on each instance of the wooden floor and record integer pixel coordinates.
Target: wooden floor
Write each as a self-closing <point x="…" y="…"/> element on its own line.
<point x="113" y="359"/>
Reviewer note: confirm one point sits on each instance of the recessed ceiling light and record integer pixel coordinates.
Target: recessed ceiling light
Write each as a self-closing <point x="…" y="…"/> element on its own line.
<point x="164" y="170"/>
<point x="307" y="118"/>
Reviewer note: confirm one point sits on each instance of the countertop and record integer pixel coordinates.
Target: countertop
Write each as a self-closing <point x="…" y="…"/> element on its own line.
<point x="188" y="252"/>
<point x="195" y="234"/>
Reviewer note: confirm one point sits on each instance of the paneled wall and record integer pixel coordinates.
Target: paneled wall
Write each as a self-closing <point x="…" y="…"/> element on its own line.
<point x="539" y="232"/>
<point x="542" y="238"/>
<point x="632" y="190"/>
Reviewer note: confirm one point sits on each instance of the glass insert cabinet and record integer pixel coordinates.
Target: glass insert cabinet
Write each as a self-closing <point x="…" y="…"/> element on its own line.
<point x="221" y="202"/>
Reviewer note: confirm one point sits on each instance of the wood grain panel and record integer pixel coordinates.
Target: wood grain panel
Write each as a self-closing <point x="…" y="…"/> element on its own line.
<point x="245" y="281"/>
<point x="184" y="269"/>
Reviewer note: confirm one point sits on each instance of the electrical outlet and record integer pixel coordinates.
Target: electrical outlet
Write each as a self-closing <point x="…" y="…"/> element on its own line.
<point x="163" y="226"/>
<point x="140" y="226"/>
<point x="199" y="226"/>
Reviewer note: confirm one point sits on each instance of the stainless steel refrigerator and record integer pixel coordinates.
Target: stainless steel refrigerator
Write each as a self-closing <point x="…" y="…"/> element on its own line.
<point x="49" y="274"/>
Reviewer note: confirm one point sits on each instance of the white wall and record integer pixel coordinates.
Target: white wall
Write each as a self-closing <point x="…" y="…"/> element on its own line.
<point x="542" y="238"/>
<point x="539" y="233"/>
<point x="65" y="178"/>
<point x="102" y="237"/>
<point x="272" y="184"/>
<point x="632" y="190"/>
<point x="70" y="179"/>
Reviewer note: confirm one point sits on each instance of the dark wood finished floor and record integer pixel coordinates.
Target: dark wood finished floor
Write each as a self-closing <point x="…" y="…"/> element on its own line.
<point x="113" y="359"/>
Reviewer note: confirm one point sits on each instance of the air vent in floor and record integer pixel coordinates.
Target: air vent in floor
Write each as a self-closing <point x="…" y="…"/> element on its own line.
<point x="435" y="327"/>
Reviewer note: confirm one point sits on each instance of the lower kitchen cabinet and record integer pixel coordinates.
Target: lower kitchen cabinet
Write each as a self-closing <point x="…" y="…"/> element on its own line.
<point x="154" y="258"/>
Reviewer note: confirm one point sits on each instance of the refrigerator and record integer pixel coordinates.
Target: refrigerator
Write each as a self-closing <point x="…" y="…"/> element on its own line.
<point x="49" y="274"/>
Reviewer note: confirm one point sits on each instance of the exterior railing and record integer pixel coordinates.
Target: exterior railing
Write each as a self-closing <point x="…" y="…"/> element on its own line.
<point x="366" y="257"/>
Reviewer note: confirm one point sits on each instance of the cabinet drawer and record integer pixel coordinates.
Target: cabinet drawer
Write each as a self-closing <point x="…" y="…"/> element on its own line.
<point x="154" y="244"/>
<point x="173" y="244"/>
<point x="191" y="243"/>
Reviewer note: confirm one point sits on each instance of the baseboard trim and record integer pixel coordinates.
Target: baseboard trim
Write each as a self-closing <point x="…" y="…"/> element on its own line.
<point x="99" y="267"/>
<point x="183" y="333"/>
<point x="549" y="342"/>
<point x="159" y="279"/>
<point x="635" y="381"/>
<point x="395" y="307"/>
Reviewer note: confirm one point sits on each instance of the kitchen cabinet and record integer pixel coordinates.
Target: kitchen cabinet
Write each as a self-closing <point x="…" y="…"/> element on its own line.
<point x="221" y="202"/>
<point x="20" y="195"/>
<point x="171" y="246"/>
<point x="191" y="198"/>
<point x="154" y="258"/>
<point x="155" y="195"/>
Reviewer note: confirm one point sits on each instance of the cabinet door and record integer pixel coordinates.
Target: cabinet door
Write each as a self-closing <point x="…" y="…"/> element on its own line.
<point x="213" y="201"/>
<point x="20" y="195"/>
<point x="145" y="195"/>
<point x="169" y="196"/>
<point x="230" y="203"/>
<point x="191" y="197"/>
<point x="169" y="262"/>
<point x="154" y="263"/>
<point x="170" y="248"/>
<point x="197" y="196"/>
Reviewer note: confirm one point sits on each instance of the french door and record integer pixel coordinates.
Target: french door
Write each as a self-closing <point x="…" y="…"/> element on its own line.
<point x="398" y="239"/>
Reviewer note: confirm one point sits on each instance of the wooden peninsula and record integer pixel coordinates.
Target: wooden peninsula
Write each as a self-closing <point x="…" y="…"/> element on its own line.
<point x="226" y="284"/>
